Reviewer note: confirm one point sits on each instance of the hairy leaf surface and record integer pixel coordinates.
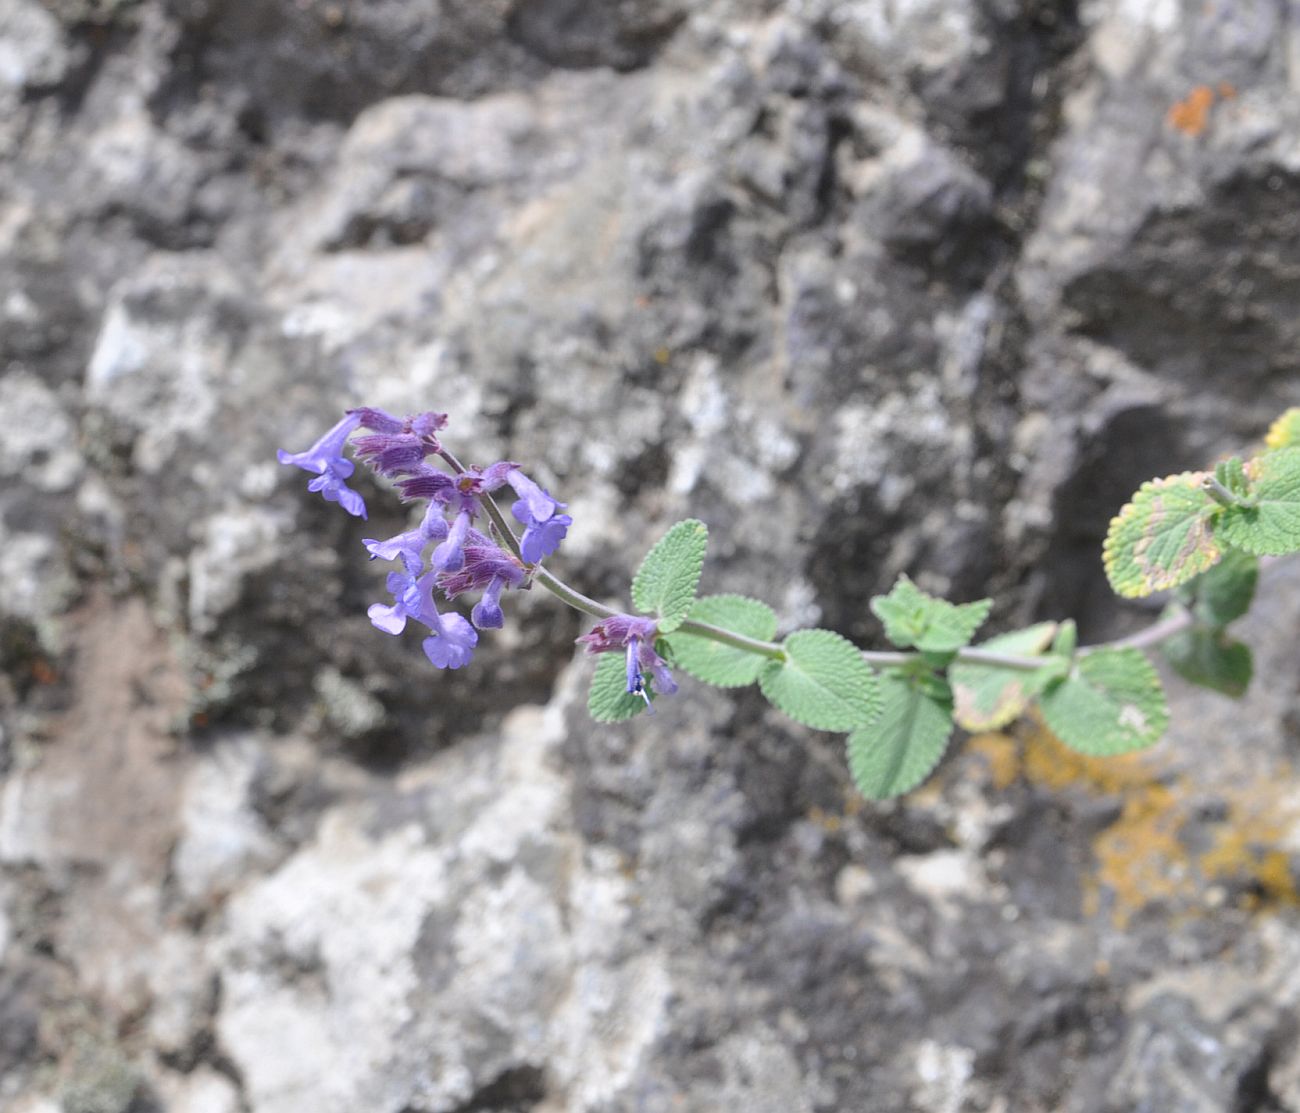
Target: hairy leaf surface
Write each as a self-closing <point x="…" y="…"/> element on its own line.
<point x="823" y="683"/>
<point x="914" y="619"/>
<point x="988" y="697"/>
<point x="1162" y="538"/>
<point x="1271" y="527"/>
<point x="666" y="581"/>
<point x="898" y="751"/>
<point x="610" y="701"/>
<point x="713" y="662"/>
<point x="1110" y="703"/>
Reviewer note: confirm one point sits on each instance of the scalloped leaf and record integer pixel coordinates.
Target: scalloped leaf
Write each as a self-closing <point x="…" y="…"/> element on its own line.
<point x="913" y="618"/>
<point x="1111" y="703"/>
<point x="609" y="700"/>
<point x="902" y="747"/>
<point x="988" y="697"/>
<point x="1163" y="537"/>
<point x="1225" y="592"/>
<point x="823" y="683"/>
<point x="1271" y="525"/>
<point x="713" y="662"/>
<point x="1211" y="659"/>
<point x="666" y="581"/>
<point x="1285" y="431"/>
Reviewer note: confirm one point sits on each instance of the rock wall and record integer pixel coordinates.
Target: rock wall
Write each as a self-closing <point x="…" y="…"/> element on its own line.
<point x="871" y="286"/>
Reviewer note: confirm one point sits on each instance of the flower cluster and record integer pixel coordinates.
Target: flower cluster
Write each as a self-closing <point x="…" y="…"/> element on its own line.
<point x="463" y="558"/>
<point x="636" y="637"/>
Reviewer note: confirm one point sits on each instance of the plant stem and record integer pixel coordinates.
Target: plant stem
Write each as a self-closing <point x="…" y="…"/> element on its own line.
<point x="731" y="638"/>
<point x="1144" y="639"/>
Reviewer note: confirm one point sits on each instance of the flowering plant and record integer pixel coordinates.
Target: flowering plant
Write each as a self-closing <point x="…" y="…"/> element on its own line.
<point x="1202" y="534"/>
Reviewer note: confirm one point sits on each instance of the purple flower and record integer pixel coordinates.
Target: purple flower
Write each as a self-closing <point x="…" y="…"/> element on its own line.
<point x="636" y="637"/>
<point x="450" y="555"/>
<point x="325" y="458"/>
<point x="398" y="447"/>
<point x="405" y="589"/>
<point x="452" y="642"/>
<point x="544" y="526"/>
<point x="541" y="539"/>
<point x="413" y="542"/>
<point x="489" y="568"/>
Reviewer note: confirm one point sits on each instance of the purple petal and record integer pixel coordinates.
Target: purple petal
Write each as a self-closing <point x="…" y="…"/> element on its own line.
<point x="539" y="503"/>
<point x="541" y="540"/>
<point x="453" y="646"/>
<point x="486" y="614"/>
<point x="450" y="555"/>
<point x="391" y="620"/>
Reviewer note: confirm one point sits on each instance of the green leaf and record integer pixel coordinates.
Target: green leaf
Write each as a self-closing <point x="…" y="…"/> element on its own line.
<point x="1232" y="474"/>
<point x="1225" y="592"/>
<point x="1211" y="659"/>
<point x="823" y="682"/>
<point x="1271" y="526"/>
<point x="1110" y="703"/>
<point x="1162" y="538"/>
<point x="666" y="581"/>
<point x="719" y="664"/>
<point x="988" y="697"/>
<point x="1285" y="431"/>
<point x="1066" y="640"/>
<point x="610" y="701"/>
<point x="913" y="618"/>
<point x="903" y="746"/>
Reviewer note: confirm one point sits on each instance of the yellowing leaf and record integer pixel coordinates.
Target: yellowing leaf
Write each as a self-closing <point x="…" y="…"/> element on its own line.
<point x="1163" y="537"/>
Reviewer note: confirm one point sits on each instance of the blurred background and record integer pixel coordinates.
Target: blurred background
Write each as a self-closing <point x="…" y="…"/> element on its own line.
<point x="870" y="286"/>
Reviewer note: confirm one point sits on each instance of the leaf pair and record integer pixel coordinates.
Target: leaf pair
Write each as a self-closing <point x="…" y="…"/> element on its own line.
<point x="1177" y="527"/>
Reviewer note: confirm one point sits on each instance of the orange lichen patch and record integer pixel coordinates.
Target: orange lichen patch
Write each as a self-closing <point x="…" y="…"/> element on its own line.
<point x="1145" y="857"/>
<point x="827" y="821"/>
<point x="1227" y="90"/>
<point x="1001" y="753"/>
<point x="1191" y="114"/>
<point x="1140" y="857"/>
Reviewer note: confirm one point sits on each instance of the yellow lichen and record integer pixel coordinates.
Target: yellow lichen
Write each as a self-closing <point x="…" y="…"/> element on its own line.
<point x="1143" y="858"/>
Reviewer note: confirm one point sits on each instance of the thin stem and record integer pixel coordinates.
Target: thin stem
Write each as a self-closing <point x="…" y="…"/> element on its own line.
<point x="1219" y="493"/>
<point x="731" y="638"/>
<point x="1151" y="635"/>
<point x="574" y="598"/>
<point x="1145" y="638"/>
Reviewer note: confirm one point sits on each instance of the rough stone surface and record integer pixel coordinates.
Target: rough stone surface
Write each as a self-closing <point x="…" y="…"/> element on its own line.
<point x="870" y="287"/>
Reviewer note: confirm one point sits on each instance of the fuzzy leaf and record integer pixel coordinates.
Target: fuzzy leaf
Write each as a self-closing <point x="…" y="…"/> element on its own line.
<point x="823" y="683"/>
<point x="913" y="618"/>
<point x="719" y="664"/>
<point x="1211" y="659"/>
<point x="988" y="697"/>
<point x="610" y="701"/>
<point x="1110" y="703"/>
<point x="901" y="748"/>
<point x="1271" y="526"/>
<point x="1162" y="538"/>
<point x="1285" y="431"/>
<point x="666" y="581"/>
<point x="1225" y="592"/>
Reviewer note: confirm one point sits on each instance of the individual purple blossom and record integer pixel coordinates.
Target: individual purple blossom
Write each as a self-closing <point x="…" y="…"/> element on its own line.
<point x="398" y="446"/>
<point x="636" y="636"/>
<point x="405" y="589"/>
<point x="544" y="526"/>
<point x="489" y="568"/>
<point x="325" y="458"/>
<point x="413" y="542"/>
<point x="450" y="555"/>
<point x="451" y="645"/>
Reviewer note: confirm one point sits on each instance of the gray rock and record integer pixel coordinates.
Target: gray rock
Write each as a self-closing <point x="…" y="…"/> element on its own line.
<point x="870" y="288"/>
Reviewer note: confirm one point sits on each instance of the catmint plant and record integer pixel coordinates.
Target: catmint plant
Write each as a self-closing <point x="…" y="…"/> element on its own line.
<point x="1198" y="535"/>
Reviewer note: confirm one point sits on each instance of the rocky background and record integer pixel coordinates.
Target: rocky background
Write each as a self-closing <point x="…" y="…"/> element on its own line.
<point x="869" y="285"/>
